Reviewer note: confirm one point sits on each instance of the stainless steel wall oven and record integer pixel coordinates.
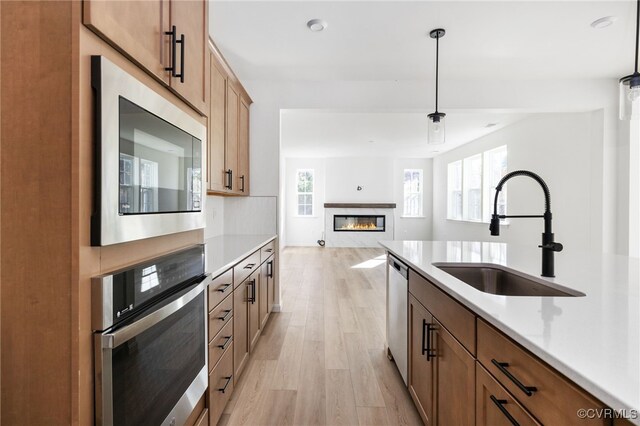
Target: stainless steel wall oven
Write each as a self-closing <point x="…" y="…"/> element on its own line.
<point x="150" y="340"/>
<point x="149" y="161"/>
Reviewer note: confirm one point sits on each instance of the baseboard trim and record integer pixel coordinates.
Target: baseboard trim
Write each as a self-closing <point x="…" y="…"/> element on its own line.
<point x="276" y="308"/>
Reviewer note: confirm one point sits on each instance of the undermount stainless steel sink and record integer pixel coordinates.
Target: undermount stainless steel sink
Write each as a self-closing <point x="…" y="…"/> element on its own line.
<point x="495" y="279"/>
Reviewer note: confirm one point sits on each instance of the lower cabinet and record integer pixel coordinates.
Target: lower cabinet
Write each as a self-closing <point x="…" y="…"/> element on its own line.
<point x="266" y="290"/>
<point x="495" y="406"/>
<point x="240" y="328"/>
<point x="221" y="383"/>
<point x="254" y="309"/>
<point x="441" y="371"/>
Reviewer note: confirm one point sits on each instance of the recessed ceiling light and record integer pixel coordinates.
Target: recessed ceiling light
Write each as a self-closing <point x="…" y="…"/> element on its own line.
<point x="491" y="125"/>
<point x="371" y="141"/>
<point x="603" y="22"/>
<point x="317" y="25"/>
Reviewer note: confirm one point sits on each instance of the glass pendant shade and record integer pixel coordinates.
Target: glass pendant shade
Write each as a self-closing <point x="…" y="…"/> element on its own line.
<point x="630" y="96"/>
<point x="436" y="129"/>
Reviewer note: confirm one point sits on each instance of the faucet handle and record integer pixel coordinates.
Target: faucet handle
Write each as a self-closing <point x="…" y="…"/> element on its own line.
<point x="552" y="246"/>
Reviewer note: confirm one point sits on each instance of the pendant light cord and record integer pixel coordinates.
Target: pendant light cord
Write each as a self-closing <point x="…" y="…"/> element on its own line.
<point x="637" y="33"/>
<point x="438" y="55"/>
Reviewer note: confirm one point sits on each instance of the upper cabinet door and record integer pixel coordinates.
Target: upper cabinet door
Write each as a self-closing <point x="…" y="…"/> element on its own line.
<point x="218" y="179"/>
<point x="231" y="147"/>
<point x="190" y="18"/>
<point x="243" y="147"/>
<point x="136" y="28"/>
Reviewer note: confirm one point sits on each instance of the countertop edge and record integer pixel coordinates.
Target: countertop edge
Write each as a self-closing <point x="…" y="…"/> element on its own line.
<point x="215" y="273"/>
<point x="584" y="382"/>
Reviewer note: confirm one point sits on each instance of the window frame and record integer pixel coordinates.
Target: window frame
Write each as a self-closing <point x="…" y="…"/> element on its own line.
<point x="449" y="190"/>
<point x="311" y="193"/>
<point x="419" y="193"/>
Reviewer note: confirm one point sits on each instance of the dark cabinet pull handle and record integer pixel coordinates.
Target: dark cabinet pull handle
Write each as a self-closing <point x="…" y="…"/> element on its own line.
<point x="226" y="343"/>
<point x="181" y="75"/>
<point x="270" y="269"/>
<point x="224" y="388"/>
<point x="223" y="288"/>
<point x="242" y="187"/>
<point x="174" y="41"/>
<point x="426" y="340"/>
<point x="249" y="266"/>
<point x="229" y="174"/>
<point x="252" y="299"/>
<point x="500" y="404"/>
<point x="269" y="250"/>
<point x="502" y="366"/>
<point x="225" y="316"/>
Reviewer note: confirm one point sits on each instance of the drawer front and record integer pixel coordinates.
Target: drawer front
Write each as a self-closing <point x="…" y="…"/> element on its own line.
<point x="220" y="288"/>
<point x="220" y="316"/>
<point x="452" y="315"/>
<point x="549" y="396"/>
<point x="220" y="343"/>
<point x="267" y="250"/>
<point x="495" y="406"/>
<point x="243" y="269"/>
<point x="220" y="385"/>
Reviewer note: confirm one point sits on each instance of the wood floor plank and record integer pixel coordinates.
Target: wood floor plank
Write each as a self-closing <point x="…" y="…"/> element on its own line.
<point x="277" y="408"/>
<point x="272" y="337"/>
<point x="288" y="368"/>
<point x="340" y="402"/>
<point x="256" y="384"/>
<point x="372" y="416"/>
<point x="334" y="349"/>
<point x="363" y="378"/>
<point x="310" y="402"/>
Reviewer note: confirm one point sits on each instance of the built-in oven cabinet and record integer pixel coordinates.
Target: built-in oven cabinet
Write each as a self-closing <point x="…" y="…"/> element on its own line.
<point x="229" y="115"/>
<point x="144" y="32"/>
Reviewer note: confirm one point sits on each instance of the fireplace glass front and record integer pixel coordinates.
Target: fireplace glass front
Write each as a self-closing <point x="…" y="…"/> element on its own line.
<point x="359" y="223"/>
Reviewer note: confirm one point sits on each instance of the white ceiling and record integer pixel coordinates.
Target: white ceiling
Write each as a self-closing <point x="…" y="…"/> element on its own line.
<point x="312" y="133"/>
<point x="388" y="40"/>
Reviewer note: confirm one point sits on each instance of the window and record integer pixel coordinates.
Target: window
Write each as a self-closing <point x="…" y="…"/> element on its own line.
<point x="454" y="190"/>
<point x="304" y="181"/>
<point x="471" y="186"/>
<point x="412" y="192"/>
<point x="495" y="169"/>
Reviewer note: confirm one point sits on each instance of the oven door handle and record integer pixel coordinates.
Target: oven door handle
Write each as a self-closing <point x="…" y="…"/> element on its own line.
<point x="115" y="339"/>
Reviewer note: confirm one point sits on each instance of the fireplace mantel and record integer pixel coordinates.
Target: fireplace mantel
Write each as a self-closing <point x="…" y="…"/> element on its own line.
<point x="360" y="205"/>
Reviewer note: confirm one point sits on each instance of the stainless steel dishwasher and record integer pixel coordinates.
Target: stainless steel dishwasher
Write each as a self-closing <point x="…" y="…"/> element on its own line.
<point x="397" y="322"/>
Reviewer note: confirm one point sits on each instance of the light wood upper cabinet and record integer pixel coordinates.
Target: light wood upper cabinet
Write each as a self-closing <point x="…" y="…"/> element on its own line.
<point x="189" y="18"/>
<point x="243" y="147"/>
<point x="229" y="117"/>
<point x="139" y="30"/>
<point x="231" y="140"/>
<point x="135" y="28"/>
<point x="217" y="176"/>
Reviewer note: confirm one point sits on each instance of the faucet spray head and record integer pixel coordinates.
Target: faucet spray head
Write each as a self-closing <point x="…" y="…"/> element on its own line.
<point x="494" y="226"/>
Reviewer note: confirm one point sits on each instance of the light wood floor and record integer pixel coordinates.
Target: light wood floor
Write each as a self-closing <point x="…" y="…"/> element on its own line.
<point x="322" y="360"/>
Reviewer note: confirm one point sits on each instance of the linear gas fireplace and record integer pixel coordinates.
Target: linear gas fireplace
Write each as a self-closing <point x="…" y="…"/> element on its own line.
<point x="359" y="223"/>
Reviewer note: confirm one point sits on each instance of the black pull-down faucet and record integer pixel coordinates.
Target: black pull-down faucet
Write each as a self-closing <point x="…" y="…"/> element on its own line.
<point x="548" y="245"/>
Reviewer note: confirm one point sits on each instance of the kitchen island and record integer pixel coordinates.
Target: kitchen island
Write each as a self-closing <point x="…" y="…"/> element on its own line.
<point x="593" y="340"/>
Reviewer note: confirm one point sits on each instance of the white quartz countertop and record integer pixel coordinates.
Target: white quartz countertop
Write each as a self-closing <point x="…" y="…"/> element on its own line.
<point x="594" y="340"/>
<point x="224" y="251"/>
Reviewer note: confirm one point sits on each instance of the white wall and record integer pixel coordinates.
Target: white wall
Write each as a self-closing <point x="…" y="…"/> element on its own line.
<point x="336" y="181"/>
<point x="561" y="149"/>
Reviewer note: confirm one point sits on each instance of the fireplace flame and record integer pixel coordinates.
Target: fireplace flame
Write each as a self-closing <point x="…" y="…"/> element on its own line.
<point x="359" y="226"/>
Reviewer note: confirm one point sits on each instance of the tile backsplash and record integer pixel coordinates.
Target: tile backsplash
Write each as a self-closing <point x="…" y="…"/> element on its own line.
<point x="240" y="216"/>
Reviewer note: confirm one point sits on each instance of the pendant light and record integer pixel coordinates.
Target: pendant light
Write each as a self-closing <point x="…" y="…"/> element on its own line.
<point x="630" y="85"/>
<point x="435" y="134"/>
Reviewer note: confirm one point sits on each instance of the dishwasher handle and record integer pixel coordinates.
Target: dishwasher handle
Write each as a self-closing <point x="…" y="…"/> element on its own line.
<point x="401" y="268"/>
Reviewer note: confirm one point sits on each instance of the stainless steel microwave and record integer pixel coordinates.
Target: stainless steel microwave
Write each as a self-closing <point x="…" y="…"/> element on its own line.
<point x="149" y="161"/>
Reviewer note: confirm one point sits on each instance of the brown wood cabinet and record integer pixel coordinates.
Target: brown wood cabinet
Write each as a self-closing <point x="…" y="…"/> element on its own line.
<point x="266" y="282"/>
<point x="229" y="109"/>
<point x="138" y="29"/>
<point x="254" y="309"/>
<point x="421" y="369"/>
<point x="240" y="328"/>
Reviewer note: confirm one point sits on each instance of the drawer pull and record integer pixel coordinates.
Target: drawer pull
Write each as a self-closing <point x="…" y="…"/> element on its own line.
<point x="249" y="266"/>
<point x="226" y="316"/>
<point x="226" y="343"/>
<point x="270" y="269"/>
<point x="502" y="366"/>
<point x="269" y="250"/>
<point x="500" y="404"/>
<point x="224" y="388"/>
<point x="252" y="298"/>
<point x="223" y="288"/>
